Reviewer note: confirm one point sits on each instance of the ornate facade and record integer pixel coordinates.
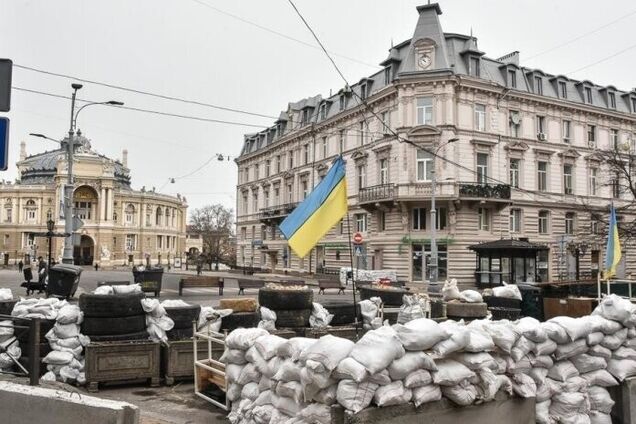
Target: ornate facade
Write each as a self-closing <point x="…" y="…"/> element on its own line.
<point x="119" y="225"/>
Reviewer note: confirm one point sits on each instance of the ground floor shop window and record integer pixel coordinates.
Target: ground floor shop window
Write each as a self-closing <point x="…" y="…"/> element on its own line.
<point x="421" y="262"/>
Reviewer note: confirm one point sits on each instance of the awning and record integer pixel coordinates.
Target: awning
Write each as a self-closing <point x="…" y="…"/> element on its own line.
<point x="507" y="245"/>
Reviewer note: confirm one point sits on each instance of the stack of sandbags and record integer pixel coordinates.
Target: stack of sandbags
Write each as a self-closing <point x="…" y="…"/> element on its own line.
<point x="10" y="350"/>
<point x="157" y="320"/>
<point x="65" y="362"/>
<point x="38" y="308"/>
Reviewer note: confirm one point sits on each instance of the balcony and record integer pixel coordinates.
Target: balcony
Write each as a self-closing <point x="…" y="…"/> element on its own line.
<point x="481" y="191"/>
<point x="374" y="195"/>
<point x="275" y="214"/>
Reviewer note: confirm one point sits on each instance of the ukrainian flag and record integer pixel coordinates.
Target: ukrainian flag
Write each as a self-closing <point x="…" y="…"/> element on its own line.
<point x="613" y="250"/>
<point x="320" y="211"/>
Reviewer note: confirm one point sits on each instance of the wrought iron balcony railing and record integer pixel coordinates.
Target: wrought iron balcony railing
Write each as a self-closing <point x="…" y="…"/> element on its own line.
<point x="484" y="190"/>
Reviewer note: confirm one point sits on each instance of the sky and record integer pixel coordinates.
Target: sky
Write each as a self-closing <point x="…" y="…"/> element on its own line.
<point x="254" y="56"/>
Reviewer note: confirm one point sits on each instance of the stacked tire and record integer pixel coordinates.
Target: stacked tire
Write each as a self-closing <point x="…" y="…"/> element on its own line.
<point x="183" y="316"/>
<point x="293" y="307"/>
<point x="466" y="311"/>
<point x="343" y="312"/>
<point x="113" y="317"/>
<point x="503" y="307"/>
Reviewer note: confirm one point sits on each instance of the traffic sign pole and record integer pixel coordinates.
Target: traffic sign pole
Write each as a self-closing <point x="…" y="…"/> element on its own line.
<point x="4" y="143"/>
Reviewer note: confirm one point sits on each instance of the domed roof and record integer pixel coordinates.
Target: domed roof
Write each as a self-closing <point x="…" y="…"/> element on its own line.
<point x="41" y="168"/>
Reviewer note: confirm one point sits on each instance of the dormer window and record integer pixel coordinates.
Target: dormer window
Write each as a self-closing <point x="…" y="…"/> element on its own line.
<point x="305" y="116"/>
<point x="611" y="100"/>
<point x="387" y="75"/>
<point x="341" y="102"/>
<point x="363" y="91"/>
<point x="588" y="95"/>
<point x="563" y="90"/>
<point x="474" y="67"/>
<point x="633" y="104"/>
<point x="323" y="111"/>
<point x="538" y="85"/>
<point x="512" y="78"/>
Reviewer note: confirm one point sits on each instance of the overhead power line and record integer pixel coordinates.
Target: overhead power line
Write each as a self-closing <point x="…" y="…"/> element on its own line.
<point x="136" y="109"/>
<point x="603" y="59"/>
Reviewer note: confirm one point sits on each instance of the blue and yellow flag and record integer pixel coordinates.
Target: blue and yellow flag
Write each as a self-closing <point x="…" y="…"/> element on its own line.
<point x="613" y="250"/>
<point x="321" y="210"/>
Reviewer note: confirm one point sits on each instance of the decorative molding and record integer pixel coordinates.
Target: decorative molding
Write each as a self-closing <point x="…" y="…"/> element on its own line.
<point x="359" y="155"/>
<point x="517" y="146"/>
<point x="569" y="154"/>
<point x="541" y="151"/>
<point x="486" y="143"/>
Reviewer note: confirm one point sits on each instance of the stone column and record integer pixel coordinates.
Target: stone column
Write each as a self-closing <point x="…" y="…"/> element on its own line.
<point x="102" y="204"/>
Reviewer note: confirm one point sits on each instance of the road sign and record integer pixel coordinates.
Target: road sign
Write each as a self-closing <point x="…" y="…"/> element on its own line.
<point x="4" y="144"/>
<point x="357" y="250"/>
<point x="357" y="238"/>
<point x="6" y="67"/>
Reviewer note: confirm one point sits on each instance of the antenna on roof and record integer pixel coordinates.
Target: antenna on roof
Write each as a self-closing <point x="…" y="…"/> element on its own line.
<point x="391" y="42"/>
<point x="471" y="32"/>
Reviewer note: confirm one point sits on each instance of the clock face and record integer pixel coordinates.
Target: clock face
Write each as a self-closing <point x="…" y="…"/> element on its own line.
<point x="424" y="61"/>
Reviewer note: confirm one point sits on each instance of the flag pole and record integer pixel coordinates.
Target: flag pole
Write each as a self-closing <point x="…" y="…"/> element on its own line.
<point x="353" y="278"/>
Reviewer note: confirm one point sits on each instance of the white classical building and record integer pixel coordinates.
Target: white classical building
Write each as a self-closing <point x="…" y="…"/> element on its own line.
<point x="120" y="225"/>
<point x="518" y="166"/>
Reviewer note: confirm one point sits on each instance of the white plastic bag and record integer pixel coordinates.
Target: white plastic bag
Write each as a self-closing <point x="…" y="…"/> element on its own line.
<point x="5" y="294"/>
<point x="462" y="394"/>
<point x="320" y="317"/>
<point x="616" y="308"/>
<point x="127" y="289"/>
<point x="587" y="363"/>
<point x="621" y="368"/>
<point x="600" y="399"/>
<point x="294" y="347"/>
<point x="450" y="290"/>
<point x="243" y="338"/>
<point x="600" y="378"/>
<point x="268" y="344"/>
<point x="510" y="291"/>
<point x="562" y="370"/>
<point x="471" y="296"/>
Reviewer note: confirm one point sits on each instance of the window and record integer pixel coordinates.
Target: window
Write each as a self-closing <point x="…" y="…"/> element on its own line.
<point x="591" y="136"/>
<point x="342" y="141"/>
<point x="276" y="197"/>
<point x="305" y="188"/>
<point x="361" y="133"/>
<point x="83" y="210"/>
<point x="538" y="85"/>
<point x="567" y="179"/>
<point x="49" y="215"/>
<point x="255" y="202"/>
<point x="384" y="171"/>
<point x="588" y="95"/>
<point x="419" y="218"/>
<point x="386" y="122"/>
<point x="247" y="174"/>
<point x="30" y="210"/>
<point x="362" y="176"/>
<point x="256" y="173"/>
<point x="323" y="111"/>
<point x="540" y="124"/>
<point x="515" y="220"/>
<point x="324" y="148"/>
<point x="616" y="186"/>
<point x="484" y="219"/>
<point x="245" y="208"/>
<point x="131" y="242"/>
<point x="563" y="90"/>
<point x="594" y="224"/>
<point x="266" y="198"/>
<point x="482" y="168"/>
<point x="387" y="75"/>
<point x="593" y="181"/>
<point x="290" y="193"/>
<point x="341" y="102"/>
<point x="474" y="67"/>
<point x="633" y="104"/>
<point x="158" y="216"/>
<point x="361" y="222"/>
<point x="363" y="91"/>
<point x="267" y="168"/>
<point x="542" y="176"/>
<point x="159" y="242"/>
<point x="614" y="139"/>
<point x="515" y="120"/>
<point x="612" y="100"/>
<point x="565" y="128"/>
<point x="129" y="214"/>
<point x="480" y="117"/>
<point x="305" y="154"/>
<point x="424" y="166"/>
<point x="569" y="222"/>
<point x="148" y="218"/>
<point x="512" y="78"/>
<point x="9" y="217"/>
<point x="425" y="111"/>
<point x="381" y="221"/>
<point x="291" y="159"/>
<point x="544" y="217"/>
<point x="514" y="172"/>
<point x="440" y="217"/>
<point x="341" y="229"/>
<point x="277" y="164"/>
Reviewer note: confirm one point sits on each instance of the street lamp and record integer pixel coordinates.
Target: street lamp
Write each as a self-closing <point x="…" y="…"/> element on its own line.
<point x="433" y="286"/>
<point x="50" y="226"/>
<point x="108" y="103"/>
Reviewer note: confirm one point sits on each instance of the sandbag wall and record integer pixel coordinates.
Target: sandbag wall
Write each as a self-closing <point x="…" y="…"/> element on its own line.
<point x="565" y="363"/>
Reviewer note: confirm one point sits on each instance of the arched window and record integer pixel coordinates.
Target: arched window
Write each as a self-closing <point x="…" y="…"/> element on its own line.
<point x="158" y="216"/>
<point x="167" y="217"/>
<point x="30" y="210"/>
<point x="49" y="215"/>
<point x="174" y="214"/>
<point x="130" y="214"/>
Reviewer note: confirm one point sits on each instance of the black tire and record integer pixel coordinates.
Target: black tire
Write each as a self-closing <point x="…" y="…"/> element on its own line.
<point x="6" y="306"/>
<point x="502" y="302"/>
<point x="466" y="310"/>
<point x="240" y="320"/>
<point x="184" y="315"/>
<point x="180" y="334"/>
<point x="391" y="316"/>
<point x="342" y="310"/>
<point x="511" y="314"/>
<point x="391" y="296"/>
<point x="122" y="325"/>
<point x="23" y="335"/>
<point x="438" y="309"/>
<point x="141" y="335"/>
<point x="114" y="305"/>
<point x="285" y="299"/>
<point x="292" y="318"/>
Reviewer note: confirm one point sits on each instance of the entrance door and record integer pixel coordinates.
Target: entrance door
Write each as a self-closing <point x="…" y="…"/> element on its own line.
<point x="320" y="259"/>
<point x="419" y="263"/>
<point x="83" y="254"/>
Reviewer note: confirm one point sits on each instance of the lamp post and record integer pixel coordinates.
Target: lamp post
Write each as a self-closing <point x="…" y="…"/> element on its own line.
<point x="433" y="286"/>
<point x="50" y="226"/>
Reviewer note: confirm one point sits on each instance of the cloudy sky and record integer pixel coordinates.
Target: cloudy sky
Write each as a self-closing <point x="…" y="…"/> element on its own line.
<point x="255" y="56"/>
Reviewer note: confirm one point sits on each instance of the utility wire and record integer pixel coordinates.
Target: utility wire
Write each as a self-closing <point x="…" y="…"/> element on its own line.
<point x="604" y="59"/>
<point x="155" y="112"/>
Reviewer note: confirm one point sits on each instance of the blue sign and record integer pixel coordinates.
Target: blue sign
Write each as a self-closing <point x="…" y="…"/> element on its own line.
<point x="4" y="143"/>
<point x="357" y="249"/>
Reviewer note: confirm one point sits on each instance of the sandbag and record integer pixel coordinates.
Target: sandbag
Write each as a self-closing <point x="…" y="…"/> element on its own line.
<point x="451" y="373"/>
<point x="503" y="334"/>
<point x="290" y="389"/>
<point x="329" y="351"/>
<point x="413" y="307"/>
<point x="471" y="296"/>
<point x="600" y="378"/>
<point x="351" y="369"/>
<point x="355" y="396"/>
<point x="288" y="371"/>
<point x="595" y="338"/>
<point x="524" y="386"/>
<point x="420" y="334"/>
<point x="542" y="412"/>
<point x="378" y="348"/>
<point x="244" y="338"/>
<point x="576" y="328"/>
<point x="600" y="399"/>
<point x="268" y="344"/>
<point x="320" y="317"/>
<point x="326" y="396"/>
<point x="293" y="347"/>
<point x="417" y="379"/>
<point x="621" y="368"/>
<point x="233" y="356"/>
<point x="616" y="308"/>
<point x="382" y="378"/>
<point x="601" y="351"/>
<point x="474" y="361"/>
<point x="624" y="353"/>
<point x="569" y="350"/>
<point x="547" y="347"/>
<point x="457" y="341"/>
<point x="568" y="404"/>
<point x="315" y="413"/>
<point x="411" y="361"/>
<point x="531" y="329"/>
<point x="479" y="341"/>
<point x="587" y="363"/>
<point x="614" y="341"/>
<point x="392" y="394"/>
<point x="522" y="347"/>
<point x="562" y="370"/>
<point x="450" y="290"/>
<point x="597" y="417"/>
<point x="250" y="391"/>
<point x="462" y="394"/>
<point x="555" y="332"/>
<point x="426" y="394"/>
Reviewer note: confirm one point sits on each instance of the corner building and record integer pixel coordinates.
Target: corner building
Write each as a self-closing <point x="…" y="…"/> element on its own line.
<point x="121" y="226"/>
<point x="517" y="165"/>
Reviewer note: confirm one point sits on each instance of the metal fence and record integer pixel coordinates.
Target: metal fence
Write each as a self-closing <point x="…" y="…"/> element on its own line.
<point x="21" y="326"/>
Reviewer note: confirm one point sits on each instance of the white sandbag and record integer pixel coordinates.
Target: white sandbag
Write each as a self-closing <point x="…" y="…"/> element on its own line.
<point x="614" y="341"/>
<point x="315" y="414"/>
<point x="249" y="374"/>
<point x="457" y="341"/>
<point x="545" y="348"/>
<point x="471" y="296"/>
<point x="382" y="378"/>
<point x="233" y="372"/>
<point x="538" y="374"/>
<point x="522" y="347"/>
<point x="377" y="349"/>
<point x="624" y="353"/>
<point x="585" y="363"/>
<point x="531" y="329"/>
<point x="313" y="382"/>
<point x="320" y="317"/>
<point x="503" y="334"/>
<point x="555" y="332"/>
<point x="489" y="384"/>
<point x="266" y="384"/>
<point x="271" y="366"/>
<point x="450" y="290"/>
<point x="5" y="294"/>
<point x="575" y="384"/>
<point x="500" y="364"/>
<point x="411" y="361"/>
<point x="210" y="318"/>
<point x="329" y="351"/>
<point x="562" y="370"/>
<point x="420" y="334"/>
<point x="392" y="394"/>
<point x="462" y="394"/>
<point x="151" y="307"/>
<point x="70" y="314"/>
<point x="522" y="365"/>
<point x="65" y="331"/>
<point x="524" y="386"/>
<point x="6" y="329"/>
<point x="451" y="373"/>
<point x="616" y="308"/>
<point x="541" y="361"/>
<point x="126" y="289"/>
<point x="566" y="404"/>
<point x="351" y="369"/>
<point x="267" y="345"/>
<point x="326" y="396"/>
<point x="104" y="290"/>
<point x="595" y="338"/>
<point x="597" y="417"/>
<point x="243" y="338"/>
<point x="426" y="394"/>
<point x="293" y="347"/>
<point x="510" y="291"/>
<point x="601" y="351"/>
<point x="369" y="309"/>
<point x="600" y="378"/>
<point x="58" y="358"/>
<point x="479" y="341"/>
<point x="233" y="356"/>
<point x="576" y="328"/>
<point x="543" y="392"/>
<point x="542" y="412"/>
<point x="474" y="361"/>
<point x="413" y="307"/>
<point x="49" y="376"/>
<point x="288" y="371"/>
<point x="264" y="398"/>
<point x="417" y="379"/>
<point x="290" y="389"/>
<point x="355" y="396"/>
<point x="600" y="399"/>
<point x="621" y="368"/>
<point x="267" y="314"/>
<point x="262" y="414"/>
<point x="569" y="350"/>
<point x="288" y="406"/>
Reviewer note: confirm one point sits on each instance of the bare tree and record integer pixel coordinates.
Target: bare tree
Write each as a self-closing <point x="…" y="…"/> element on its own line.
<point x="215" y="225"/>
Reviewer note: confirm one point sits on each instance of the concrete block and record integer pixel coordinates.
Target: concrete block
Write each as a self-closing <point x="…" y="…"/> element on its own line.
<point x="624" y="411"/>
<point x="21" y="404"/>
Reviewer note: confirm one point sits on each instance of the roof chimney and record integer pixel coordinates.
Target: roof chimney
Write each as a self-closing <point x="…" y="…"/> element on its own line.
<point x="124" y="158"/>
<point x="22" y="150"/>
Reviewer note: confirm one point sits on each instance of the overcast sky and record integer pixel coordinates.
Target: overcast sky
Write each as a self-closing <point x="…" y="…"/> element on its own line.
<point x="186" y="49"/>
